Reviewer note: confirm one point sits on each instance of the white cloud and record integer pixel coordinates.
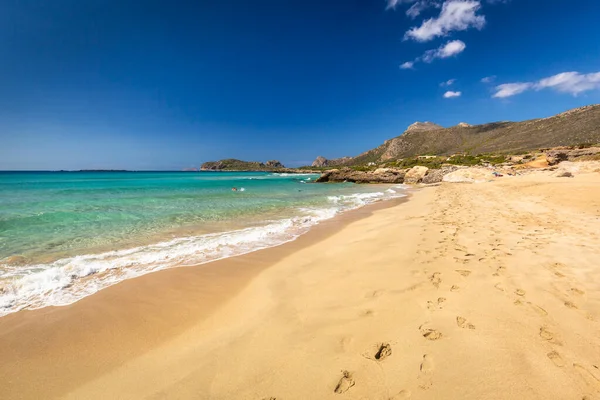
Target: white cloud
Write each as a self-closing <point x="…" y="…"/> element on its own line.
<point x="419" y="6"/>
<point x="449" y="82"/>
<point x="488" y="79"/>
<point x="571" y="82"/>
<point x="566" y="82"/>
<point x="449" y="49"/>
<point x="511" y="89"/>
<point x="450" y="94"/>
<point x="456" y="15"/>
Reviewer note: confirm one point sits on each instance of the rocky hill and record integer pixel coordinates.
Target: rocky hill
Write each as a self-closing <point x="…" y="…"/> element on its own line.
<point x="577" y="126"/>
<point x="232" y="164"/>
<point x="321" y="161"/>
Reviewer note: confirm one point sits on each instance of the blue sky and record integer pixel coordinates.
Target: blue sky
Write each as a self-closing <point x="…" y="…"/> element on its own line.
<point x="170" y="84"/>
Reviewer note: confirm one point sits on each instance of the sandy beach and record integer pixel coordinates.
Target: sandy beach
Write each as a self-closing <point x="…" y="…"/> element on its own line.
<point x="465" y="291"/>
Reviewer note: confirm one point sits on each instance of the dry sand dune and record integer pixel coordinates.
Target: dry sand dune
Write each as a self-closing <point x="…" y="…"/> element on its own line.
<point x="466" y="291"/>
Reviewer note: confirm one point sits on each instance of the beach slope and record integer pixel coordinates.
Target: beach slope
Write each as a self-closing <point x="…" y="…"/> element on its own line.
<point x="466" y="291"/>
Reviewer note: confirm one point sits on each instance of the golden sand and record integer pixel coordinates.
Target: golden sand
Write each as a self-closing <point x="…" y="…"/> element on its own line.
<point x="466" y="291"/>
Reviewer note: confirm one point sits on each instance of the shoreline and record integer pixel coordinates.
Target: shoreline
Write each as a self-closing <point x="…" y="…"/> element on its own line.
<point x="101" y="318"/>
<point x="466" y="291"/>
<point x="61" y="269"/>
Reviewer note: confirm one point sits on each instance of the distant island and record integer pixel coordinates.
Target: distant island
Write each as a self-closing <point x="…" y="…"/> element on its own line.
<point x="232" y="164"/>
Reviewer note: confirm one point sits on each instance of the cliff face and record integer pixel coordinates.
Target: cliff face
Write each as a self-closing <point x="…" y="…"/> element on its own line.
<point x="232" y="164"/>
<point x="580" y="125"/>
<point x="321" y="161"/>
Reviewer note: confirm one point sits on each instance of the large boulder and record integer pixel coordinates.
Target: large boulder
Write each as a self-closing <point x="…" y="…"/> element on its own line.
<point x="415" y="174"/>
<point x="436" y="175"/>
<point x="391" y="175"/>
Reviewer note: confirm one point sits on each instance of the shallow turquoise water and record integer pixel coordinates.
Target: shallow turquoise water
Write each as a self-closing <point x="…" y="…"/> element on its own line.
<point x="59" y="227"/>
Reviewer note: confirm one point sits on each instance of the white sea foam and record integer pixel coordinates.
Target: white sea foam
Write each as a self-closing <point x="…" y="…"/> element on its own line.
<point x="288" y="174"/>
<point x="68" y="280"/>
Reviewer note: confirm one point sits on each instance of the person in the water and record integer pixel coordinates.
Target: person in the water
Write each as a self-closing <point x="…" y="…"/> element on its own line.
<point x="234" y="189"/>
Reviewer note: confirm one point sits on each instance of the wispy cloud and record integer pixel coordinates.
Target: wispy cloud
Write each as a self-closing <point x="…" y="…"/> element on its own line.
<point x="456" y="15"/>
<point x="421" y="5"/>
<point x="571" y="82"/>
<point x="511" y="89"/>
<point x="449" y="82"/>
<point x="449" y="49"/>
<point x="488" y="79"/>
<point x="566" y="82"/>
<point x="450" y="94"/>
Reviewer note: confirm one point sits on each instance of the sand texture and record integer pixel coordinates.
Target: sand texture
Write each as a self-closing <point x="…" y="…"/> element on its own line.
<point x="466" y="291"/>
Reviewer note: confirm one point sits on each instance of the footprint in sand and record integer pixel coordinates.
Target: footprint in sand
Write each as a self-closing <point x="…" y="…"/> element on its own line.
<point x="345" y="383"/>
<point x="425" y="371"/>
<point x="498" y="286"/>
<point x="435" y="279"/>
<point x="569" y="304"/>
<point x="499" y="271"/>
<point x="577" y="291"/>
<point x="520" y="292"/>
<point x="556" y="358"/>
<point x="430" y="334"/>
<point x="463" y="272"/>
<point x="546" y="334"/>
<point x="455" y="288"/>
<point x="384" y="351"/>
<point x="463" y="323"/>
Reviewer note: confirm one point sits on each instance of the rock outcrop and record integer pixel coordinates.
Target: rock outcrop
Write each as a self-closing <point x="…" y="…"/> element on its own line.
<point x="274" y="164"/>
<point x="423" y="126"/>
<point x="437" y="175"/>
<point x="556" y="156"/>
<point x="383" y="175"/>
<point x="321" y="162"/>
<point x="415" y="174"/>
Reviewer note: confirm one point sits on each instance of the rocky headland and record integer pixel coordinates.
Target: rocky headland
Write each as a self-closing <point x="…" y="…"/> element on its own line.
<point x="232" y="164"/>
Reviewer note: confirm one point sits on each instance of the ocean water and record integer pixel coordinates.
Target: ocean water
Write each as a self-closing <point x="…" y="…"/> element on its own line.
<point x="66" y="235"/>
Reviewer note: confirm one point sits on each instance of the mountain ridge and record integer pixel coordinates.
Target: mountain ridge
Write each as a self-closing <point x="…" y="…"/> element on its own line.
<point x="571" y="127"/>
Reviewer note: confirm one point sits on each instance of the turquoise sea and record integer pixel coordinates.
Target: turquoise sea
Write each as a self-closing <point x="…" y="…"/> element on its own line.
<point x="66" y="235"/>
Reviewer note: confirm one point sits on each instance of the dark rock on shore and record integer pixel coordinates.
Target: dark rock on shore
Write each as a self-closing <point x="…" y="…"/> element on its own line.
<point x="381" y="175"/>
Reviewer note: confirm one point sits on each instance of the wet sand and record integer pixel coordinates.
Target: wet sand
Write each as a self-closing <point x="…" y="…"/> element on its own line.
<point x="466" y="291"/>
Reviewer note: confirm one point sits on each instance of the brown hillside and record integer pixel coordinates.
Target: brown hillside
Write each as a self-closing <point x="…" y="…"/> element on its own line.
<point x="577" y="126"/>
